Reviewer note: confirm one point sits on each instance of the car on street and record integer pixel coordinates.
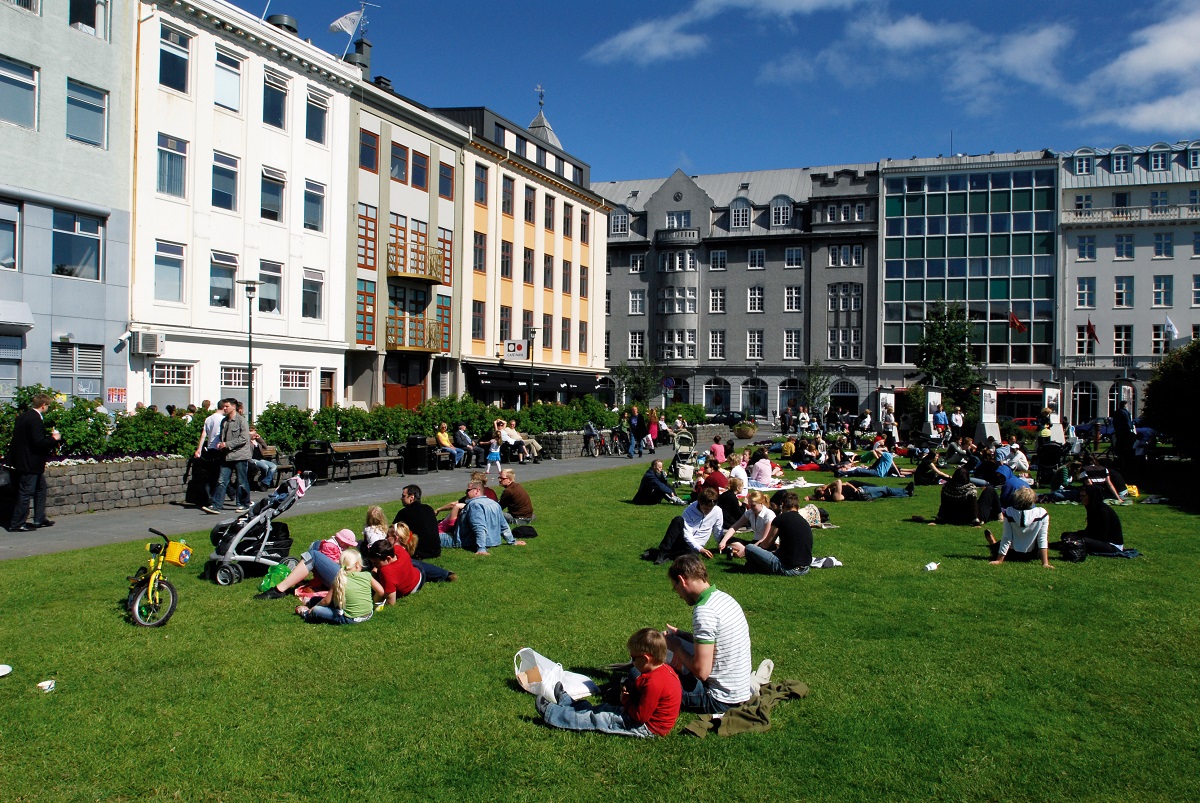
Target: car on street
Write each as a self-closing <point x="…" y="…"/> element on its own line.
<point x="727" y="417"/>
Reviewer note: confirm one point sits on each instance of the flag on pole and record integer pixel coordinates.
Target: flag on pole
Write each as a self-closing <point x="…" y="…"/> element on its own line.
<point x="346" y="24"/>
<point x="1169" y="330"/>
<point x="1014" y="323"/>
<point x="1091" y="331"/>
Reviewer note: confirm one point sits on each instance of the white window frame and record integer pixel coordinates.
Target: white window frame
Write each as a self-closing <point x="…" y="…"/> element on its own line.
<point x="179" y="43"/>
<point x="279" y="82"/>
<point x="739" y="215"/>
<point x="224" y="263"/>
<point x="618" y="224"/>
<point x="1121" y="244"/>
<point x="313" y="281"/>
<point x="716" y="300"/>
<point x="1085" y="248"/>
<point x="171" y="374"/>
<point x="754" y="344"/>
<point x="637" y="345"/>
<point x="756" y="259"/>
<point x="1164" y="291"/>
<point x="860" y="212"/>
<point x="313" y="189"/>
<point x="1119" y="162"/>
<point x="274" y="177"/>
<point x="270" y="274"/>
<point x="1083" y="165"/>
<point x="781" y="215"/>
<point x="92" y="100"/>
<point x="227" y="162"/>
<point x="680" y="219"/>
<point x="1084" y="345"/>
<point x="718" y="260"/>
<point x="1122" y="340"/>
<point x="1123" y="292"/>
<point x="792" y="344"/>
<point x="755" y="302"/>
<point x="793" y="257"/>
<point x="793" y="298"/>
<point x="17" y="72"/>
<point x="171" y="253"/>
<point x="317" y="100"/>
<point x="637" y="263"/>
<point x="172" y="153"/>
<point x="1159" y="161"/>
<point x="227" y="83"/>
<point x="1085" y="292"/>
<point x="637" y="302"/>
<point x="716" y="344"/>
<point x="1164" y="245"/>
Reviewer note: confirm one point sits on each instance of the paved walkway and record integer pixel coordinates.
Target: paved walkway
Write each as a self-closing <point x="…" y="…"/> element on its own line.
<point x="118" y="526"/>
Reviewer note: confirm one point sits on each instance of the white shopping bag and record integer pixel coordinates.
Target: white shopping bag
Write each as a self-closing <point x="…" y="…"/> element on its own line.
<point x="538" y="675"/>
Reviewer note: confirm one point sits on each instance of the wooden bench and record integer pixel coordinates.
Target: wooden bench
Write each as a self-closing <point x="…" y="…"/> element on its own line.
<point x="348" y="454"/>
<point x="437" y="457"/>
<point x="283" y="462"/>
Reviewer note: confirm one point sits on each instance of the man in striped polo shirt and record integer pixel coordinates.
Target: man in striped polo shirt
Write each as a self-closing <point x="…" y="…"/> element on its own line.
<point x="713" y="661"/>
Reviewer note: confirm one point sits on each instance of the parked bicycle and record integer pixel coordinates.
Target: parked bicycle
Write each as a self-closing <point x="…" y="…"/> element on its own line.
<point x="152" y="598"/>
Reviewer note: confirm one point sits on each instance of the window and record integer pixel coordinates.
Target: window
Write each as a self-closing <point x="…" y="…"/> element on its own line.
<point x="607" y="345"/>
<point x="479" y="253"/>
<point x="1120" y="162"/>
<point x="171" y="375"/>
<point x="637" y="345"/>
<point x="1122" y="340"/>
<point x="173" y="49"/>
<point x="831" y="213"/>
<point x="1086" y="248"/>
<point x="791" y="344"/>
<point x="793" y="298"/>
<point x="718" y="260"/>
<point x="270" y="287"/>
<point x="1194" y="159"/>
<point x="548" y="216"/>
<point x="1085" y="292"/>
<point x="739" y="215"/>
<point x="1158" y="201"/>
<point x="716" y="300"/>
<point x="568" y="220"/>
<point x="168" y="272"/>
<point x="1158" y="160"/>
<point x="1123" y="247"/>
<point x="399" y="164"/>
<point x="275" y="92"/>
<point x="527" y="266"/>
<point x="1083" y="165"/>
<point x="77" y="370"/>
<point x="274" y="185"/>
<point x="1164" y="291"/>
<point x="312" y="293"/>
<point x="676" y="300"/>
<point x="368" y="230"/>
<point x="618" y="223"/>
<point x="583" y="337"/>
<point x="583" y="281"/>
<point x="608" y="302"/>
<point x="756" y="259"/>
<point x="506" y="259"/>
<point x="314" y="206"/>
<point x="1084" y="345"/>
<point x="507" y="190"/>
<point x="477" y="313"/>
<point x="565" y="340"/>
<point x="398" y="246"/>
<point x="793" y="258"/>
<point x="76" y="245"/>
<point x="754" y="299"/>
<point x="585" y="226"/>
<point x="505" y="323"/>
<point x="1159" y="341"/>
<point x="1164" y="245"/>
<point x="1123" y="291"/>
<point x="8" y="244"/>
<point x="315" y="116"/>
<point x="420" y="171"/>
<point x="860" y="212"/>
<point x="446" y="181"/>
<point x="674" y="261"/>
<point x="18" y="93"/>
<point x="221" y="272"/>
<point x="446" y="246"/>
<point x="530" y="201"/>
<point x="224" y="181"/>
<point x="679" y="220"/>
<point x="547" y="271"/>
<point x="754" y="344"/>
<point x="527" y="326"/>
<point x="637" y="302"/>
<point x="716" y="344"/>
<point x="1083" y="202"/>
<point x="1195" y="244"/>
<point x="521" y="143"/>
<point x="227" y="84"/>
<point x="781" y="214"/>
<point x="294" y="385"/>
<point x="637" y="263"/>
<point x="566" y="277"/>
<point x="364" y="313"/>
<point x="1120" y="200"/>
<point x="677" y="344"/>
<point x="1194" y="200"/>
<point x="172" y="166"/>
<point x="368" y="151"/>
<point x="547" y="330"/>
<point x="87" y="114"/>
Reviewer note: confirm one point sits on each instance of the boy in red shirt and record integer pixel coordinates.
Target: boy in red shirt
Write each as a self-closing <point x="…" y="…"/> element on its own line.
<point x="649" y="702"/>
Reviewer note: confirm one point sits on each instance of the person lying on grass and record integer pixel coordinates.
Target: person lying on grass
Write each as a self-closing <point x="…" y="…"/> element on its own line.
<point x="398" y="574"/>
<point x="1026" y="531"/>
<point x="650" y="698"/>
<point x="843" y="491"/>
<point x="786" y="547"/>
<point x="321" y="560"/>
<point x="350" y="600"/>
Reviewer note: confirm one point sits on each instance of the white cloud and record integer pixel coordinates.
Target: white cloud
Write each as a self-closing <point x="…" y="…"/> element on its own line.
<point x="912" y="33"/>
<point x="1177" y="113"/>
<point x="1167" y="49"/>
<point x="792" y="68"/>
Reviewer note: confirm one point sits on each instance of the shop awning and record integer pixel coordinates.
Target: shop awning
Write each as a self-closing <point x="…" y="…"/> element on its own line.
<point x="494" y="377"/>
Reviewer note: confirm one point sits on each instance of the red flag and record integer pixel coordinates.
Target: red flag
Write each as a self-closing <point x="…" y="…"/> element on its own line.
<point x="1013" y="323"/>
<point x="1091" y="331"/>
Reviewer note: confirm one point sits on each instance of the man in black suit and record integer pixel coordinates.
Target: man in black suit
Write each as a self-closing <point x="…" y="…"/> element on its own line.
<point x="27" y="455"/>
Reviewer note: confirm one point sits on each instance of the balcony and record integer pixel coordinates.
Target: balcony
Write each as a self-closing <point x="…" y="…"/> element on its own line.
<point x="421" y="262"/>
<point x="1119" y="362"/>
<point x="1132" y="215"/>
<point x="677" y="237"/>
<point x="415" y="333"/>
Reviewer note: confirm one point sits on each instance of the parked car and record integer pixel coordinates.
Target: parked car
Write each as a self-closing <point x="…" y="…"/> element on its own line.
<point x="1028" y="424"/>
<point x="727" y="417"/>
<point x="1106" y="429"/>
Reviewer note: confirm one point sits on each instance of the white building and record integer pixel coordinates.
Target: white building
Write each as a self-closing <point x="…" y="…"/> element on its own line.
<point x="240" y="175"/>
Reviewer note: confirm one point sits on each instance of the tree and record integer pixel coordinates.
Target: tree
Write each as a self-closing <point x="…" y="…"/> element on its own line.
<point x="642" y="382"/>
<point x="817" y="382"/>
<point x="1167" y="393"/>
<point x="944" y="354"/>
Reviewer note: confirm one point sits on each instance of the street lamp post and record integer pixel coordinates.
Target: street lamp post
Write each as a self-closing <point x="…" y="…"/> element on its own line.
<point x="251" y="287"/>
<point x="529" y="397"/>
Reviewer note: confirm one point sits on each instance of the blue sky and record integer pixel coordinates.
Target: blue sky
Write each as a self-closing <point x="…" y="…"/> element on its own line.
<point x="638" y="89"/>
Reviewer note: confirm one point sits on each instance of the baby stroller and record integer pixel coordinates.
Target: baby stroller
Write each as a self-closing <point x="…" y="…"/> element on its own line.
<point x="1049" y="460"/>
<point x="683" y="465"/>
<point x="255" y="537"/>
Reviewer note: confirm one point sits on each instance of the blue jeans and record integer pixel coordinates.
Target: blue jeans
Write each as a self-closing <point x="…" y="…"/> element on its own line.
<point x="320" y="564"/>
<point x="431" y="573"/>
<point x="760" y="560"/>
<point x="243" y="494"/>
<point x="323" y="614"/>
<point x="696" y="697"/>
<point x="882" y="466"/>
<point x="450" y="540"/>
<point x="873" y="492"/>
<point x="584" y="717"/>
<point x="456" y="452"/>
<point x="268" y="470"/>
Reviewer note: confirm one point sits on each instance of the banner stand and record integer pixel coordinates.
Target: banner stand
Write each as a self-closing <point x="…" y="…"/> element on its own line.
<point x="987" y="426"/>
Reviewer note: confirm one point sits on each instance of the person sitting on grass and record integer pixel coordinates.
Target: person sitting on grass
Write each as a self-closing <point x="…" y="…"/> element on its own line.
<point x="422" y="520"/>
<point x="757" y="518"/>
<point x="1026" y="534"/>
<point x="650" y="699"/>
<point x="481" y="523"/>
<point x="927" y="471"/>
<point x="1102" y="534"/>
<point x="879" y="468"/>
<point x="350" y="600"/>
<point x="396" y="571"/>
<point x="730" y="502"/>
<point x="959" y="502"/>
<point x="840" y="491"/>
<point x="760" y="469"/>
<point x="515" y="501"/>
<point x="786" y="549"/>
<point x="654" y="487"/>
<point x="716" y="452"/>
<point x="321" y="560"/>
<point x="689" y="533"/>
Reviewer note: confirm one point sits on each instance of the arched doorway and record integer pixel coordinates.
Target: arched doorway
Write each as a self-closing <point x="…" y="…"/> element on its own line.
<point x="1084" y="402"/>
<point x="681" y="393"/>
<point x="844" y="394"/>
<point x="754" y="398"/>
<point x="791" y="394"/>
<point x="716" y="396"/>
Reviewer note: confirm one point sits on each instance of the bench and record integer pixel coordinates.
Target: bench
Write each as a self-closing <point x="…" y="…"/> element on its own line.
<point x="347" y="454"/>
<point x="437" y="457"/>
<point x="282" y="461"/>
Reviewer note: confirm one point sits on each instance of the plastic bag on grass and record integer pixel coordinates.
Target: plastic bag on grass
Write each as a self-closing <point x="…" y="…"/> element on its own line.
<point x="538" y="675"/>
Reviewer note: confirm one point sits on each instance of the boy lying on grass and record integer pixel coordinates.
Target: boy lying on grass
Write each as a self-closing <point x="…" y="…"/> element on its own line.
<point x="649" y="702"/>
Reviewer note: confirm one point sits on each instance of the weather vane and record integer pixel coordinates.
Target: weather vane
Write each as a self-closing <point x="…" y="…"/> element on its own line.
<point x="541" y="96"/>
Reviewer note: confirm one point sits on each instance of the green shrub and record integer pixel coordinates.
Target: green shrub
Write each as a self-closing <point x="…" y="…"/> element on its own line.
<point x="84" y="429"/>
<point x="691" y="413"/>
<point x="150" y="431"/>
<point x="338" y="423"/>
<point x="284" y="426"/>
<point x="392" y="424"/>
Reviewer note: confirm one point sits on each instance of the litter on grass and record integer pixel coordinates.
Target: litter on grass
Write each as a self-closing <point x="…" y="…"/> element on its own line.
<point x="932" y="567"/>
<point x="46" y="686"/>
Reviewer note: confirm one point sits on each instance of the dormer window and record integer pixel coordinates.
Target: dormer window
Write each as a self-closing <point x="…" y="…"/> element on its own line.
<point x="739" y="214"/>
<point x="1083" y="165"/>
<point x="781" y="213"/>
<point x="1158" y="160"/>
<point x="1119" y="162"/>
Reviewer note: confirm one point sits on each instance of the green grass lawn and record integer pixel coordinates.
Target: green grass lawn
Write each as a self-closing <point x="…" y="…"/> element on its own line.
<point x="972" y="682"/>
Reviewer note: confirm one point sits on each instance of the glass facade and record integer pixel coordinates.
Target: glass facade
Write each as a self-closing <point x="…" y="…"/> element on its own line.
<point x="983" y="240"/>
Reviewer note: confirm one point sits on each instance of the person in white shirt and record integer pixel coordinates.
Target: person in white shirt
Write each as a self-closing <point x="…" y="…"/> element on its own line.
<point x="689" y="533"/>
<point x="757" y="519"/>
<point x="1026" y="535"/>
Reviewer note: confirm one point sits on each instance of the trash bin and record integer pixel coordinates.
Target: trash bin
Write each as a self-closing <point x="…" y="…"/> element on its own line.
<point x="416" y="455"/>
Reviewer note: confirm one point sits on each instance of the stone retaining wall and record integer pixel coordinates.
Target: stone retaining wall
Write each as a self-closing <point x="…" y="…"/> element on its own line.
<point x="106" y="486"/>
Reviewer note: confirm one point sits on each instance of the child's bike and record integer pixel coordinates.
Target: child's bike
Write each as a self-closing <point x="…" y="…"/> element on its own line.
<point x="152" y="598"/>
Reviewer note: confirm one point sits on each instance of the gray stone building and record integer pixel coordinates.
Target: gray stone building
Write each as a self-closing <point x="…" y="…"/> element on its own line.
<point x="65" y="195"/>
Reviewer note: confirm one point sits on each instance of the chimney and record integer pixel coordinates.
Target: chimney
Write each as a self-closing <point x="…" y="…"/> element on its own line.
<point x="383" y="83"/>
<point x="285" y="23"/>
<point x="361" y="57"/>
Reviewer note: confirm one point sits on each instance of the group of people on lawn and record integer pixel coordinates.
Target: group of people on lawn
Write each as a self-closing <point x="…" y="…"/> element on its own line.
<point x="485" y="452"/>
